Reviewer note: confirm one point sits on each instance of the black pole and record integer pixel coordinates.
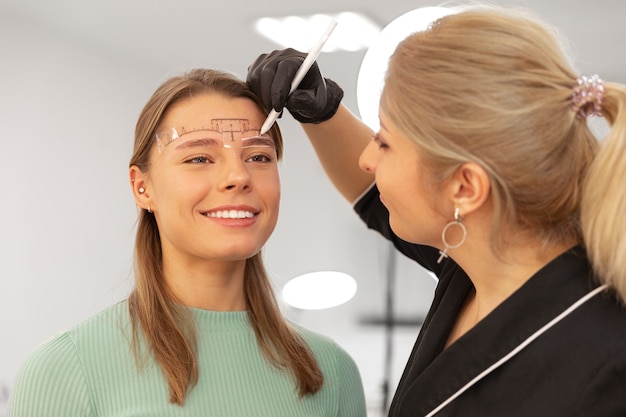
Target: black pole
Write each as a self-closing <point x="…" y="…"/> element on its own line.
<point x="390" y="279"/>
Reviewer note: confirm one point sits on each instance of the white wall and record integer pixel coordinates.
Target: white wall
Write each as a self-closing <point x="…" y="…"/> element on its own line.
<point x="66" y="218"/>
<point x="67" y="112"/>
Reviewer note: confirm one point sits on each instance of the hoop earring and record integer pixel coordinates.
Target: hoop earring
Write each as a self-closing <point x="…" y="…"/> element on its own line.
<point x="458" y="221"/>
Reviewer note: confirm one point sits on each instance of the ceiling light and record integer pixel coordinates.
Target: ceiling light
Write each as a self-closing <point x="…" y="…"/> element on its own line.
<point x="319" y="290"/>
<point x="353" y="32"/>
<point x="374" y="65"/>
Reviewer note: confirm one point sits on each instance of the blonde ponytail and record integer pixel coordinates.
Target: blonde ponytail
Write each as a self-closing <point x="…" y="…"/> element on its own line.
<point x="603" y="207"/>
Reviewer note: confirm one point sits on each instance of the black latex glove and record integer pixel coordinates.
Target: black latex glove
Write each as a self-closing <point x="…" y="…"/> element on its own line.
<point x="315" y="100"/>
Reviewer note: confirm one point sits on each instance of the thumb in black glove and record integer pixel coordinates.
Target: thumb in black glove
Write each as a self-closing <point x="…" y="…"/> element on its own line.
<point x="315" y="100"/>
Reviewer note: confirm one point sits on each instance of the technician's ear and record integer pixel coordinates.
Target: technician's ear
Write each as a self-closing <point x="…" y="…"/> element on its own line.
<point x="471" y="187"/>
<point x="138" y="184"/>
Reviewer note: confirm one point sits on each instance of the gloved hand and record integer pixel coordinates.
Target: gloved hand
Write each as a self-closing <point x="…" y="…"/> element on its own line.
<point x="315" y="100"/>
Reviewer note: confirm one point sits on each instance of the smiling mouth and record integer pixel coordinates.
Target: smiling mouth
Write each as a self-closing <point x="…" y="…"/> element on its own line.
<point x="231" y="214"/>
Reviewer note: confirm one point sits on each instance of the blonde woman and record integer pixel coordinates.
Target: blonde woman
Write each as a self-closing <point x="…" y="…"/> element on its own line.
<point x="485" y="172"/>
<point x="201" y="333"/>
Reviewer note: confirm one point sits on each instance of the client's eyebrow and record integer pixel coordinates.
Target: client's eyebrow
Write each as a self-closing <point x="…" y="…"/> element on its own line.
<point x="198" y="143"/>
<point x="258" y="141"/>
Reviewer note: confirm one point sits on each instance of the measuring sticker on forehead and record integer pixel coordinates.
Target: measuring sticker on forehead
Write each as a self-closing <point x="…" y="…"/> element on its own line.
<point x="218" y="133"/>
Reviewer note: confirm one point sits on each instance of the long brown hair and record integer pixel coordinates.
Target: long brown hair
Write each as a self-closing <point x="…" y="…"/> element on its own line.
<point x="157" y="319"/>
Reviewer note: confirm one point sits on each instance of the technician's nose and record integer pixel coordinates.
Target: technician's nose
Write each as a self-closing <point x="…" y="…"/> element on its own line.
<point x="367" y="160"/>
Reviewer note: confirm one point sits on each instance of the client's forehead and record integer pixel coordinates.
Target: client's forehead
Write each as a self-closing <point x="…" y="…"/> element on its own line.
<point x="211" y="111"/>
<point x="232" y="125"/>
<point x="221" y="126"/>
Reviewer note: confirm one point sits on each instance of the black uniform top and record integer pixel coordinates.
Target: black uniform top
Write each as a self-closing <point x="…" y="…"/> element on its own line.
<point x="576" y="368"/>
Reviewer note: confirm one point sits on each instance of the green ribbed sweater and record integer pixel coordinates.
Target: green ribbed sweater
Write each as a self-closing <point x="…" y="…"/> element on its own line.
<point x="90" y="371"/>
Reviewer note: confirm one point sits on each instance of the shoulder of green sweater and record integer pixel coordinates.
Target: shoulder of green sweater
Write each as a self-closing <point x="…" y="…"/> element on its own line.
<point x="112" y="318"/>
<point x="312" y="337"/>
<point x="339" y="367"/>
<point x="321" y="344"/>
<point x="64" y="343"/>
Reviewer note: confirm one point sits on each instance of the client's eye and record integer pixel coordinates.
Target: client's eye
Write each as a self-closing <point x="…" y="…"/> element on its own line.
<point x="200" y="159"/>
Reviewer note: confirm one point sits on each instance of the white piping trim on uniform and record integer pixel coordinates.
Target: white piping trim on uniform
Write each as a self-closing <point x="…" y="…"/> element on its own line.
<point x="521" y="346"/>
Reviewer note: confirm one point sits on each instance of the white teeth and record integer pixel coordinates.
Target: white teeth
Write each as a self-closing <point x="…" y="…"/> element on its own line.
<point x="231" y="214"/>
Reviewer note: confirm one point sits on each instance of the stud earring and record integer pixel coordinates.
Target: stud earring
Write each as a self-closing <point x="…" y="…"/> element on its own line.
<point x="458" y="221"/>
<point x="141" y="190"/>
<point x="149" y="211"/>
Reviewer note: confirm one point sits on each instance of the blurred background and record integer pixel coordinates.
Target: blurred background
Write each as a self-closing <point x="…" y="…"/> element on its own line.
<point x="74" y="75"/>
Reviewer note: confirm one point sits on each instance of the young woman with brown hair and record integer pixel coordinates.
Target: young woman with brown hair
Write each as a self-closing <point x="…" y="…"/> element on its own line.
<point x="201" y="333"/>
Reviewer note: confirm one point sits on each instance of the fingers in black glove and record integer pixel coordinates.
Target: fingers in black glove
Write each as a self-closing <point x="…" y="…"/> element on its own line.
<point x="317" y="104"/>
<point x="270" y="76"/>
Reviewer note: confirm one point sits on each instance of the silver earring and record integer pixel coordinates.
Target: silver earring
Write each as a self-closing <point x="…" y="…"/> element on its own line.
<point x="149" y="211"/>
<point x="458" y="221"/>
<point x="141" y="190"/>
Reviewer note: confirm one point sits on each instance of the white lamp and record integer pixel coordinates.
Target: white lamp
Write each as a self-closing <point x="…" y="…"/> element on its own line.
<point x="319" y="290"/>
<point x="374" y="65"/>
